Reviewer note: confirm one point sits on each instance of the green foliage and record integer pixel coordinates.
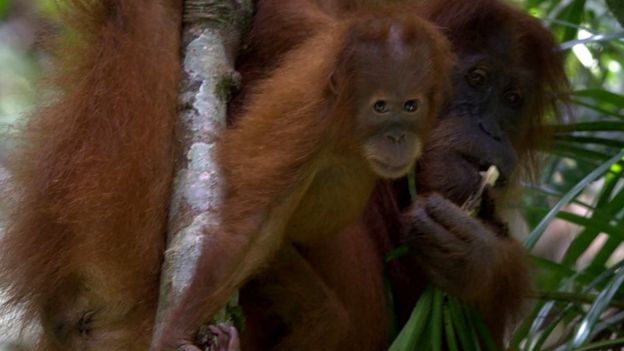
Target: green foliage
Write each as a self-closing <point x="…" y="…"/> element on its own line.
<point x="439" y="319"/>
<point x="4" y="8"/>
<point x="579" y="300"/>
<point x="48" y="8"/>
<point x="617" y="7"/>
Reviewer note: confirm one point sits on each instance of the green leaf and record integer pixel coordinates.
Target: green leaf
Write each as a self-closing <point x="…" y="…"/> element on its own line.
<point x="461" y="325"/>
<point x="451" y="339"/>
<point x="554" y="313"/>
<point x="584" y="329"/>
<point x="613" y="344"/>
<point x="553" y="321"/>
<point x="413" y="330"/>
<point x="614" y="230"/>
<point x="612" y="204"/>
<point x="598" y="126"/>
<point x="4" y="8"/>
<point x="396" y="253"/>
<point x="617" y="8"/>
<point x="530" y="242"/>
<point x="570" y="155"/>
<point x="581" y="151"/>
<point x="548" y="265"/>
<point x="390" y="305"/>
<point x="602" y="111"/>
<point x="573" y="14"/>
<point x="436" y="320"/>
<point x="602" y="95"/>
<point x="482" y="330"/>
<point x="605" y="209"/>
<point x="584" y="140"/>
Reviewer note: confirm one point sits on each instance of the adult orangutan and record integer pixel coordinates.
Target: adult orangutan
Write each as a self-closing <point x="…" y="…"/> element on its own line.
<point x="508" y="80"/>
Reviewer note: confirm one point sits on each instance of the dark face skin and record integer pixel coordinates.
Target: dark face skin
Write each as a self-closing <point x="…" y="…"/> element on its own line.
<point x="392" y="123"/>
<point x="478" y="127"/>
<point x="393" y="99"/>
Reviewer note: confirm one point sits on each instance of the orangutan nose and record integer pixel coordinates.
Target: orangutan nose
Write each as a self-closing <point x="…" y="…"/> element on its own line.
<point x="396" y="137"/>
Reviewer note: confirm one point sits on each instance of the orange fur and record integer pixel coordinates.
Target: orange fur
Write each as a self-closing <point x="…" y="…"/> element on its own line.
<point x="84" y="243"/>
<point x="501" y="297"/>
<point x="295" y="165"/>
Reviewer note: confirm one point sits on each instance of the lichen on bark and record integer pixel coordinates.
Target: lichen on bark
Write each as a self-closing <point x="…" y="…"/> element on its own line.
<point x="212" y="33"/>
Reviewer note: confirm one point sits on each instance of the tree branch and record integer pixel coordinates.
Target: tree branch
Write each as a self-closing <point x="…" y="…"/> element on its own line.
<point x="211" y="37"/>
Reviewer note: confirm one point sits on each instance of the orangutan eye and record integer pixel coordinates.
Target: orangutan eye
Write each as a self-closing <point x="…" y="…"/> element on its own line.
<point x="477" y="77"/>
<point x="513" y="98"/>
<point x="411" y="106"/>
<point x="380" y="106"/>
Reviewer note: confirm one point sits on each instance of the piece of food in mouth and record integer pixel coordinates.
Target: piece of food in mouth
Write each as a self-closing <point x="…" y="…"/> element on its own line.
<point x="473" y="203"/>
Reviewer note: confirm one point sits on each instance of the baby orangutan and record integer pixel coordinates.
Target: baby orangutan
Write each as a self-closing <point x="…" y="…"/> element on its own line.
<point x="351" y="105"/>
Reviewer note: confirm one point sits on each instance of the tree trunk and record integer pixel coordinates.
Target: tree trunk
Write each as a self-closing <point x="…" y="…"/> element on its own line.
<point x="212" y="33"/>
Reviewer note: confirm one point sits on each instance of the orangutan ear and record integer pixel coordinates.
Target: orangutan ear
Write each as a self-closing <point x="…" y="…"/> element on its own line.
<point x="334" y="82"/>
